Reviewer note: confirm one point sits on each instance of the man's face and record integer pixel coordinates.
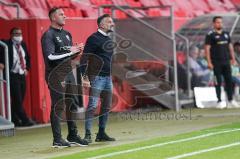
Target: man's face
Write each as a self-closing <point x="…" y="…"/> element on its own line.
<point x="59" y="17"/>
<point x="195" y="55"/>
<point x="218" y="24"/>
<point x="107" y="24"/>
<point x="16" y="33"/>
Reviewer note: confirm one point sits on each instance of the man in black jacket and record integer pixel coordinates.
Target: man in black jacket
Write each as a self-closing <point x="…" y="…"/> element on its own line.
<point x="58" y="54"/>
<point x="220" y="56"/>
<point x="19" y="65"/>
<point x="97" y="55"/>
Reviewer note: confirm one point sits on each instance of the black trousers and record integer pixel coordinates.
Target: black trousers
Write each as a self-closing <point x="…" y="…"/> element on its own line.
<point x="223" y="70"/>
<point x="64" y="98"/>
<point x="18" y="89"/>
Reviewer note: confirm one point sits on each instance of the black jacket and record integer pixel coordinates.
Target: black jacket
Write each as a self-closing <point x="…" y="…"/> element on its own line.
<point x="10" y="54"/>
<point x="97" y="55"/>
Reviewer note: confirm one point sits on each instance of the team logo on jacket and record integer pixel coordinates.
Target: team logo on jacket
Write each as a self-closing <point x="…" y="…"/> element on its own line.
<point x="226" y="36"/>
<point x="58" y="39"/>
<point x="68" y="37"/>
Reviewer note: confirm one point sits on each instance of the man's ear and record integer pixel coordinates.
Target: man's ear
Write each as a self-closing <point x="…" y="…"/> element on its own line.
<point x="101" y="25"/>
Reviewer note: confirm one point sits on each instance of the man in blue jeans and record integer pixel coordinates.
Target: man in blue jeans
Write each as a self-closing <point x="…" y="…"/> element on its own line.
<point x="97" y="55"/>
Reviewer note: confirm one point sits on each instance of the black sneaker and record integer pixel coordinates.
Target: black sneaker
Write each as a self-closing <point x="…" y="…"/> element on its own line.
<point x="101" y="137"/>
<point x="88" y="138"/>
<point x="61" y="144"/>
<point x="76" y="140"/>
<point x="28" y="123"/>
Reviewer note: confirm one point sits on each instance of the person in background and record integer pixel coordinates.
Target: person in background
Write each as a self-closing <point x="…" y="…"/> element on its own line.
<point x="200" y="75"/>
<point x="220" y="55"/>
<point x="202" y="61"/>
<point x="235" y="75"/>
<point x="19" y="66"/>
<point x="99" y="74"/>
<point x="237" y="52"/>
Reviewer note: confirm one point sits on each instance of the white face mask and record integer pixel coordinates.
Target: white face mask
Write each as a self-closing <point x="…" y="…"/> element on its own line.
<point x="18" y="39"/>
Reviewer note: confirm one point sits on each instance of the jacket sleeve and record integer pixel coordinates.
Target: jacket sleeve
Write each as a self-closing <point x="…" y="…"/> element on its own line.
<point x="2" y="57"/>
<point x="90" y="48"/>
<point x="2" y="54"/>
<point x="27" y="56"/>
<point x="48" y="48"/>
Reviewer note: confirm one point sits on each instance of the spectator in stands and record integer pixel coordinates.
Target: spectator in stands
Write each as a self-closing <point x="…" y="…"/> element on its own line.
<point x="235" y="75"/>
<point x="202" y="61"/>
<point x="237" y="51"/>
<point x="59" y="53"/>
<point x="220" y="56"/>
<point x="19" y="65"/>
<point x="235" y="69"/>
<point x="99" y="75"/>
<point x="200" y="75"/>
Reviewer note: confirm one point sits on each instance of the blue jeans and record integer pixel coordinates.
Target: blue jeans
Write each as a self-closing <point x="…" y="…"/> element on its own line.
<point x="101" y="86"/>
<point x="236" y="80"/>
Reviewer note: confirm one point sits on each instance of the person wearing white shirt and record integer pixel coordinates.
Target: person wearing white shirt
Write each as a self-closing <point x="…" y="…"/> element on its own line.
<point x="19" y="65"/>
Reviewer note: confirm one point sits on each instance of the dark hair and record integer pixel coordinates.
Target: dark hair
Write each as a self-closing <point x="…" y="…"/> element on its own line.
<point x="13" y="29"/>
<point x="215" y="18"/>
<point x="236" y="44"/>
<point x="52" y="10"/>
<point x="99" y="20"/>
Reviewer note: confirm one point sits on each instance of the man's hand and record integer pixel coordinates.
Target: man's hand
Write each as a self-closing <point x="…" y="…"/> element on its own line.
<point x="233" y="62"/>
<point x="85" y="81"/>
<point x="81" y="47"/>
<point x="26" y="72"/>
<point x="210" y="66"/>
<point x="77" y="58"/>
<point x="1" y="66"/>
<point x="75" y="49"/>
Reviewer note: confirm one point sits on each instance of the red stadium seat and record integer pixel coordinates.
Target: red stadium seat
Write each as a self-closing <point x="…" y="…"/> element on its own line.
<point x="101" y="2"/>
<point x="3" y="14"/>
<point x="11" y="12"/>
<point x="134" y="3"/>
<point x="120" y="14"/>
<point x="180" y="13"/>
<point x="169" y="3"/>
<point x="229" y="5"/>
<point x="130" y="3"/>
<point x="235" y="2"/>
<point x="177" y="10"/>
<point x="200" y="5"/>
<point x="33" y="3"/>
<point x="59" y="3"/>
<point x="7" y="1"/>
<point x="69" y="12"/>
<point x="30" y="3"/>
<point x="23" y="14"/>
<point x="154" y="12"/>
<point x="34" y="8"/>
<point x="20" y="2"/>
<point x="37" y="12"/>
<point x="87" y="8"/>
<point x="119" y="2"/>
<point x="186" y="6"/>
<point x="43" y="4"/>
<point x="150" y="3"/>
<point x="216" y="5"/>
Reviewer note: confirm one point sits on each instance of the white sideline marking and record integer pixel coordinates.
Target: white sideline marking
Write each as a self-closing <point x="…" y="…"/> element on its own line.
<point x="205" y="150"/>
<point x="163" y="144"/>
